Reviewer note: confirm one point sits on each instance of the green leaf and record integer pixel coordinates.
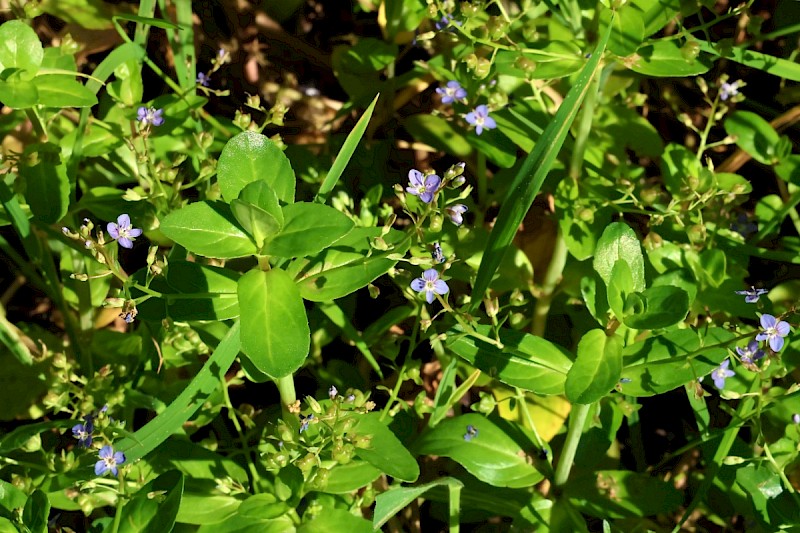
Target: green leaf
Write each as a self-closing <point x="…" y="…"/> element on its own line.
<point x="158" y="23"/>
<point x="308" y="229"/>
<point x="619" y="242"/>
<point x="17" y="438"/>
<point x="622" y="494"/>
<point x="47" y="191"/>
<point x="754" y="135"/>
<point x="262" y="506"/>
<point x="552" y="60"/>
<point x="261" y="195"/>
<point x="531" y="176"/>
<point x="385" y="450"/>
<point x="123" y="53"/>
<point x="776" y="66"/>
<point x="437" y="132"/>
<point x="665" y="59"/>
<point x="18" y="94"/>
<point x="11" y="497"/>
<point x="248" y="524"/>
<point x="191" y="291"/>
<point x="525" y="361"/>
<point x="394" y="500"/>
<point x="665" y="362"/>
<point x="262" y="225"/>
<point x="63" y="91"/>
<point x="155" y="506"/>
<point x="36" y="512"/>
<point x="344" y="479"/>
<point x="627" y="29"/>
<point x="620" y="288"/>
<point x="20" y="49"/>
<point x="203" y="504"/>
<point x="657" y="13"/>
<point x="194" y="395"/>
<point x="497" y="147"/>
<point x="662" y="307"/>
<point x="209" y="229"/>
<point x="336" y="520"/>
<point x="345" y="153"/>
<point x="347" y="266"/>
<point x="496" y="455"/>
<point x="275" y="334"/>
<point x="596" y="370"/>
<point x="249" y="157"/>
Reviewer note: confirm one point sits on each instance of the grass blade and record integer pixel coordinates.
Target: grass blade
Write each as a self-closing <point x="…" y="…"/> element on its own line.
<point x="349" y="146"/>
<point x="532" y="174"/>
<point x="203" y="385"/>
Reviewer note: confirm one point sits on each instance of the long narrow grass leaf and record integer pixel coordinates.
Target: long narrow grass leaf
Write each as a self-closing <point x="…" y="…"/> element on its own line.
<point x="348" y="148"/>
<point x="532" y="174"/>
<point x="750" y="58"/>
<point x="204" y="384"/>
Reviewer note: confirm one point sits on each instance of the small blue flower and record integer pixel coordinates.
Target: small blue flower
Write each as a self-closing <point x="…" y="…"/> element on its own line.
<point x="728" y="89"/>
<point x="333" y="392"/>
<point x="203" y="79"/>
<point x="437" y="254"/>
<point x="721" y="373"/>
<point x="796" y="418"/>
<point x="123" y="232"/>
<point x="445" y="21"/>
<point x="83" y="432"/>
<point x="479" y="117"/>
<point x="150" y="116"/>
<point x="423" y="186"/>
<point x="304" y="423"/>
<point x="430" y="284"/>
<point x="625" y="380"/>
<point x="773" y="331"/>
<point x="451" y="92"/>
<point x="471" y="433"/>
<point x="744" y="226"/>
<point x="456" y="213"/>
<point x="751" y="353"/>
<point x="752" y="294"/>
<point x="109" y="459"/>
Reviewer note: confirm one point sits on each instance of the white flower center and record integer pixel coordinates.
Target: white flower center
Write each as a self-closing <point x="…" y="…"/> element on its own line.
<point x="110" y="462"/>
<point x="430" y="285"/>
<point x="479" y="120"/>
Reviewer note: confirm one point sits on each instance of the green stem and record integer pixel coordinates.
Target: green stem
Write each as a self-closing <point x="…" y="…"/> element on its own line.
<point x="728" y="438"/>
<point x="288" y="395"/>
<point x="454" y="503"/>
<point x="120" y="504"/>
<point x="553" y="275"/>
<point x="483" y="187"/>
<point x="577" y="420"/>
<point x="412" y="343"/>
<point x="254" y="477"/>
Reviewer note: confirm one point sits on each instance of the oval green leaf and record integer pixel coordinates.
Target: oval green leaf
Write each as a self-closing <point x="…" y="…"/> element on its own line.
<point x="660" y="364"/>
<point x="495" y="455"/>
<point x="209" y="229"/>
<point x="155" y="506"/>
<point x="63" y="91"/>
<point x="596" y="370"/>
<point x="348" y="265"/>
<point x="664" y="307"/>
<point x="664" y="59"/>
<point x="385" y="450"/>
<point x="250" y="157"/>
<point x="275" y="335"/>
<point x="754" y="135"/>
<point x="20" y="48"/>
<point x="525" y="361"/>
<point x="308" y="228"/>
<point x="619" y="241"/>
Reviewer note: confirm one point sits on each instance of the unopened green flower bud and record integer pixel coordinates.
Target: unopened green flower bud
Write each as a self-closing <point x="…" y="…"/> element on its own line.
<point x="690" y="50"/>
<point x="314" y="405"/>
<point x="650" y="195"/>
<point x="306" y="463"/>
<point x="487" y="403"/>
<point x="342" y="452"/>
<point x="483" y="68"/>
<point x="696" y="233"/>
<point x="469" y="9"/>
<point x="471" y="61"/>
<point x="242" y="120"/>
<point x="254" y="101"/>
<point x="436" y="223"/>
<point x="585" y="214"/>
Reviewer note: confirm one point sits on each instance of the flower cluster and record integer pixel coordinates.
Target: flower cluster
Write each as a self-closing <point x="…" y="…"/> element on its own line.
<point x="150" y="116"/>
<point x="772" y="333"/>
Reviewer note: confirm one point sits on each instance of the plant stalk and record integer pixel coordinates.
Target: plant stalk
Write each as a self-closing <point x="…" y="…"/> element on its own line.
<point x="577" y="419"/>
